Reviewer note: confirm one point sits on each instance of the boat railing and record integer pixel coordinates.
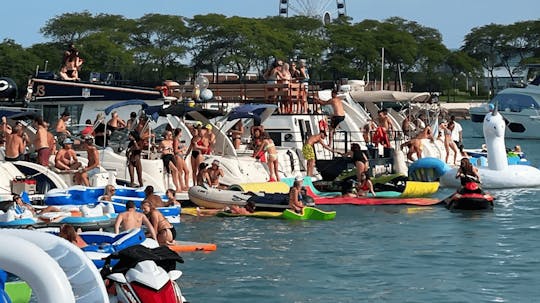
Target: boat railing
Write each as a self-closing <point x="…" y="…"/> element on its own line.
<point x="282" y="94"/>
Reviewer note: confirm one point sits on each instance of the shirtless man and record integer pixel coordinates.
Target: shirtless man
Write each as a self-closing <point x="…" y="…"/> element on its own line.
<point x="309" y="152"/>
<point x="16" y="143"/>
<point x="415" y="145"/>
<point x="132" y="219"/>
<point x="61" y="127"/>
<point x="41" y="142"/>
<point x="6" y="128"/>
<point x="214" y="172"/>
<point x="385" y="126"/>
<point x="154" y="199"/>
<point x="66" y="158"/>
<point x="338" y="112"/>
<point x="93" y="161"/>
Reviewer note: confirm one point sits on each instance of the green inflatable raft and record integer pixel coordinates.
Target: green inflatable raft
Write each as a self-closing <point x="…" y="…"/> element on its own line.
<point x="310" y="213"/>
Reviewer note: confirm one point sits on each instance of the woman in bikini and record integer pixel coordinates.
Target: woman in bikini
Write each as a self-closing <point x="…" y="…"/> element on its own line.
<point x="166" y="233"/>
<point x="236" y="134"/>
<point x="359" y="159"/>
<point x="364" y="186"/>
<point x="449" y="144"/>
<point x="167" y="155"/>
<point x="179" y="154"/>
<point x="133" y="155"/>
<point x="195" y="148"/>
<point x="272" y="158"/>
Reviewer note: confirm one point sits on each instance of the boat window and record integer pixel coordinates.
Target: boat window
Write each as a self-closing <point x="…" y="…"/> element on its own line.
<point x="515" y="102"/>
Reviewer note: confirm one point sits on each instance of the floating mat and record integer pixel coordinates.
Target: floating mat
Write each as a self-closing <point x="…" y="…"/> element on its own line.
<point x="188" y="246"/>
<point x="309" y="213"/>
<point x="308" y="183"/>
<point x="267" y="187"/>
<point x="257" y="214"/>
<point x="419" y="189"/>
<point x="19" y="291"/>
<point x="376" y="201"/>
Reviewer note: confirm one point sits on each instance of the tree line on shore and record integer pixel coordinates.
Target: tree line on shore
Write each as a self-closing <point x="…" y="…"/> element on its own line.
<point x="155" y="47"/>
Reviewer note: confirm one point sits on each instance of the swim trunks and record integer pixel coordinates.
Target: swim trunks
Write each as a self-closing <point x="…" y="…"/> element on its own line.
<point x="308" y="152"/>
<point x="336" y="120"/>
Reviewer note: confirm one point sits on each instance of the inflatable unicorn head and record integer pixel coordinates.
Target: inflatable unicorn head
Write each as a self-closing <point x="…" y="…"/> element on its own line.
<point x="494" y="129"/>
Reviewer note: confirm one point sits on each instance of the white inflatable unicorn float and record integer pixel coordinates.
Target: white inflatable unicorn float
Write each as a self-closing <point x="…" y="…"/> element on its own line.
<point x="498" y="174"/>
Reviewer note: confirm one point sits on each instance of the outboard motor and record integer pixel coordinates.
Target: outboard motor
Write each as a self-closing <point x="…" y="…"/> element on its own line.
<point x="8" y="89"/>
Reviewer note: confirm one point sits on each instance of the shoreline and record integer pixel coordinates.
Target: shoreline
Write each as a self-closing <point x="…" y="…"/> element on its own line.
<point x="460" y="109"/>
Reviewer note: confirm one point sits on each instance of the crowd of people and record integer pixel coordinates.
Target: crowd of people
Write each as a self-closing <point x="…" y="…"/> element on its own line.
<point x="290" y="72"/>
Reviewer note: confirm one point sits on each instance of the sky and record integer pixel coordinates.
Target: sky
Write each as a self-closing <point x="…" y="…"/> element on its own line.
<point x="22" y="20"/>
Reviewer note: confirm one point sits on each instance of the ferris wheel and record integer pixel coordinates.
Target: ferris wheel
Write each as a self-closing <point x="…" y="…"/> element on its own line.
<point x="327" y="10"/>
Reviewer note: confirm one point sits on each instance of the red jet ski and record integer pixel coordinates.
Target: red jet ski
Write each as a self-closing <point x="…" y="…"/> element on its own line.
<point x="470" y="197"/>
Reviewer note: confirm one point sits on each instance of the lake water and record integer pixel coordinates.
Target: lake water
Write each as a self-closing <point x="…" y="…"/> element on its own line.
<point x="374" y="253"/>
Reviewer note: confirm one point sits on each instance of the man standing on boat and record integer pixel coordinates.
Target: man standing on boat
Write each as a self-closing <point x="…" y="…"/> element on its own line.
<point x="61" y="127"/>
<point x="338" y="114"/>
<point x="41" y="142"/>
<point x="457" y="131"/>
<point x="308" y="150"/>
<point x="93" y="161"/>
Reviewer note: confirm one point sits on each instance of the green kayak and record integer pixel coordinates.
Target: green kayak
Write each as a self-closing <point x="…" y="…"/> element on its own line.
<point x="19" y="291"/>
<point x="309" y="213"/>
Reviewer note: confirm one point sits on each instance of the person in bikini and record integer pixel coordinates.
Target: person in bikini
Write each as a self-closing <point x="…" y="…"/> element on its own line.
<point x="108" y="192"/>
<point x="131" y="219"/>
<point x="214" y="172"/>
<point x="41" y="142"/>
<point x="236" y="134"/>
<point x="181" y="165"/>
<point x="364" y="186"/>
<point x="415" y="145"/>
<point x="165" y="231"/>
<point x="168" y="157"/>
<point x="197" y="148"/>
<point x="359" y="159"/>
<point x="133" y="155"/>
<point x="269" y="147"/>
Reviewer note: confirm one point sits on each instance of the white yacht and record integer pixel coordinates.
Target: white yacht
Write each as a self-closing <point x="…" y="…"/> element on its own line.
<point x="519" y="105"/>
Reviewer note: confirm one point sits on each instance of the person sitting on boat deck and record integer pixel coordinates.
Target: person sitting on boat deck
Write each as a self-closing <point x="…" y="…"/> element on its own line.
<point x="202" y="175"/>
<point x="268" y="146"/>
<point x="16" y="143"/>
<point x="364" y="186"/>
<point x="115" y="122"/>
<point x="171" y="198"/>
<point x="309" y="152"/>
<point x="131" y="219"/>
<point x="61" y="127"/>
<point x="467" y="172"/>
<point x="133" y="155"/>
<point x="383" y="130"/>
<point x="68" y="74"/>
<point x="165" y="231"/>
<point x="108" y="192"/>
<point x="359" y="159"/>
<point x="214" y="173"/>
<point x="154" y="199"/>
<point x="41" y="142"/>
<point x="20" y="206"/>
<point x="169" y="161"/>
<point x="93" y="161"/>
<point x="68" y="232"/>
<point x="236" y="134"/>
<point x="295" y="196"/>
<point x="248" y="209"/>
<point x="66" y="157"/>
<point x="338" y="114"/>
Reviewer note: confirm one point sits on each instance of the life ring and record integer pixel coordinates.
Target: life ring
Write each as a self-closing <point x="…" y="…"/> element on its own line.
<point x="3" y="85"/>
<point x="323" y="125"/>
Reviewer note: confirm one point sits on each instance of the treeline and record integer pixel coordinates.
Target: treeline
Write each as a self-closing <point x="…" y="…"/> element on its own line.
<point x="156" y="47"/>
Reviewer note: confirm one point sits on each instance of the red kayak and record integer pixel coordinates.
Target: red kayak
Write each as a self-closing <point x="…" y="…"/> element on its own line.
<point x="376" y="201"/>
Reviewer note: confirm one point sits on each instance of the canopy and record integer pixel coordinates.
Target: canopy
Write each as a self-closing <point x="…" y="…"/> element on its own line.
<point x="183" y="109"/>
<point x="109" y="109"/>
<point x="257" y="112"/>
<point x="389" y="96"/>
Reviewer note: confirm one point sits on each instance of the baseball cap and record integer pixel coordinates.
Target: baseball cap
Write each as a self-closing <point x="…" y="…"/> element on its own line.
<point x="88" y="137"/>
<point x="67" y="141"/>
<point x="208" y="126"/>
<point x="216" y="162"/>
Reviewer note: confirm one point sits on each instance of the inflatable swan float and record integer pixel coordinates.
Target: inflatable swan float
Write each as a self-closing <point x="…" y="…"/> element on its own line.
<point x="498" y="174"/>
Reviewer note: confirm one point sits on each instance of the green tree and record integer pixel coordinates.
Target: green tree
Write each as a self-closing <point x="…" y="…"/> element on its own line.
<point x="16" y="63"/>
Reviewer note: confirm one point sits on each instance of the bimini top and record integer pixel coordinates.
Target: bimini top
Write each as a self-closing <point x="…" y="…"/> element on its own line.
<point x="259" y="112"/>
<point x="110" y="108"/>
<point x="389" y="96"/>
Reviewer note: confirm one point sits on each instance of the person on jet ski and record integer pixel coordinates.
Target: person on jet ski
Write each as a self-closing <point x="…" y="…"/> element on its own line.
<point x="467" y="172"/>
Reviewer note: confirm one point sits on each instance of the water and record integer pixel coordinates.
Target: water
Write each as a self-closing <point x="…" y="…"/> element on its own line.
<point x="374" y="253"/>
